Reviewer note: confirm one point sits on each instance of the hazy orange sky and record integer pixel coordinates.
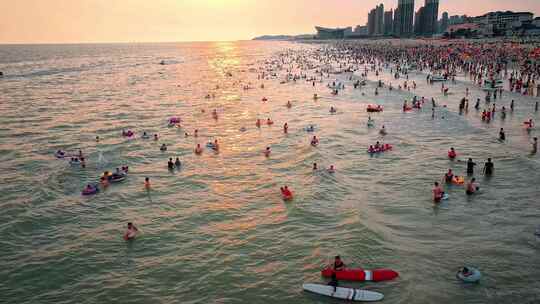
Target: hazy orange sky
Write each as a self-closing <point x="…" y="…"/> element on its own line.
<point x="70" y="21"/>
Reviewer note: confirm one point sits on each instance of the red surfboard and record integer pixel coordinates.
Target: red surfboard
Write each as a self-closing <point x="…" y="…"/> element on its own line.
<point x="358" y="274"/>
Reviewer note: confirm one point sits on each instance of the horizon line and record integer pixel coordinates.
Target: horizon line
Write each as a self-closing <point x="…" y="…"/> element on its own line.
<point x="121" y="42"/>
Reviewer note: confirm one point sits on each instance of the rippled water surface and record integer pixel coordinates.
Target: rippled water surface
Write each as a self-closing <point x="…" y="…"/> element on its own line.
<point x="217" y="231"/>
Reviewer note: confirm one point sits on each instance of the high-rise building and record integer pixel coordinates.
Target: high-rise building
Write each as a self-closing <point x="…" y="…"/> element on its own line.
<point x="396" y="27"/>
<point x="419" y="21"/>
<point x="406" y="17"/>
<point x="444" y="23"/>
<point x="388" y="22"/>
<point x="456" y="19"/>
<point x="430" y="17"/>
<point x="376" y="21"/>
<point x="371" y="22"/>
<point x="379" y="20"/>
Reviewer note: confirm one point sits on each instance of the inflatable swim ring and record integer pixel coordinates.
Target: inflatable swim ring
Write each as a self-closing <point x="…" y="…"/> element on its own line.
<point x="116" y="177"/>
<point x="211" y="145"/>
<point x="75" y="162"/>
<point x="310" y="129"/>
<point x="458" y="180"/>
<point x="374" y="108"/>
<point x="382" y="148"/>
<point x="93" y="189"/>
<point x="473" y="277"/>
<point x="60" y="154"/>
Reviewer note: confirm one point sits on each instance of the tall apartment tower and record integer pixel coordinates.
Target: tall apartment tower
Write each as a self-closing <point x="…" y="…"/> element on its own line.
<point x="406" y="16"/>
<point x="396" y="27"/>
<point x="444" y="23"/>
<point x="388" y="22"/>
<point x="430" y="17"/>
<point x="379" y="20"/>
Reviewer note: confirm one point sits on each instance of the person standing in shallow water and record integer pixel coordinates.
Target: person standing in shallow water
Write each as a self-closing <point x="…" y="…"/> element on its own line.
<point x="470" y="166"/>
<point x="534" y="145"/>
<point x="502" y="136"/>
<point x="488" y="167"/>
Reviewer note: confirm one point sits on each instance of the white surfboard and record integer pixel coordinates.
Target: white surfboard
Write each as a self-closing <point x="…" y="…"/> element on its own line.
<point x="344" y="293"/>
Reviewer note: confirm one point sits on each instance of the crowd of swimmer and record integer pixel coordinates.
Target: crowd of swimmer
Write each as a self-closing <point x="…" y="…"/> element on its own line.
<point x="492" y="66"/>
<point x="489" y="66"/>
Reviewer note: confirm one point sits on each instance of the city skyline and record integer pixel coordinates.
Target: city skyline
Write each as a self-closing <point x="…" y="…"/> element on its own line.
<point x="62" y="21"/>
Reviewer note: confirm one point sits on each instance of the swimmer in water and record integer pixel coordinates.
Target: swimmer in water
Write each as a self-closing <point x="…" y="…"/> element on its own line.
<point x="267" y="152"/>
<point x="333" y="110"/>
<point x="269" y="121"/>
<point x="131" y="232"/>
<point x="147" y="183"/>
<point x="258" y="123"/>
<point x="382" y="131"/>
<point x="198" y="149"/>
<point x="437" y="192"/>
<point x="163" y="147"/>
<point x="97" y="138"/>
<point x="452" y="153"/>
<point x="315" y="97"/>
<point x="155" y="137"/>
<point x="196" y="133"/>
<point x="449" y="176"/>
<point x="338" y="264"/>
<point x="502" y="136"/>
<point x="289" y="104"/>
<point x="314" y="141"/>
<point x="471" y="187"/>
<point x="470" y="166"/>
<point x="89" y="188"/>
<point x="285" y="128"/>
<point x="488" y="167"/>
<point x="534" y="145"/>
<point x="215" y="147"/>
<point x="331" y="169"/>
<point x="170" y="164"/>
<point x="286" y="192"/>
<point x="177" y="163"/>
<point x="315" y="167"/>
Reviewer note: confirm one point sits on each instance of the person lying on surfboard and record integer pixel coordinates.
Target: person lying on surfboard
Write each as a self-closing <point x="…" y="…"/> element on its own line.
<point x="338" y="263"/>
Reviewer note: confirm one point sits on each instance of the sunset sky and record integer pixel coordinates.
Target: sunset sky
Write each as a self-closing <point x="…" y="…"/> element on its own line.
<point x="71" y="21"/>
